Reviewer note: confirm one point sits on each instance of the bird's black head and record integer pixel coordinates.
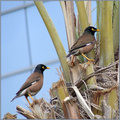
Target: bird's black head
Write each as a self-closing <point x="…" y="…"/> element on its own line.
<point x="40" y="68"/>
<point x="91" y="30"/>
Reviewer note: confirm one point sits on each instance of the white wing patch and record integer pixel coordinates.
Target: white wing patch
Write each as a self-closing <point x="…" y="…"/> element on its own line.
<point x="88" y="44"/>
<point x="23" y="92"/>
<point x="33" y="82"/>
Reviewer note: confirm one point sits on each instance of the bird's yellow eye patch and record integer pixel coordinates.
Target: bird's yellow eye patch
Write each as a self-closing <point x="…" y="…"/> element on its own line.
<point x="93" y="29"/>
<point x="43" y="67"/>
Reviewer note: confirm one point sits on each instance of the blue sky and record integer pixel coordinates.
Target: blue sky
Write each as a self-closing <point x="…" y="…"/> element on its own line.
<point x="15" y="54"/>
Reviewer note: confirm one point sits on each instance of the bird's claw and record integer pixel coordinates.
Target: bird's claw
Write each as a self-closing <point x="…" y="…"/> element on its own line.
<point x="72" y="64"/>
<point x="90" y="60"/>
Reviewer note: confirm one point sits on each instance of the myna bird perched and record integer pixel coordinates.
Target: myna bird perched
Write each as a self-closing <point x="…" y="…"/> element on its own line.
<point x="33" y="84"/>
<point x="84" y="44"/>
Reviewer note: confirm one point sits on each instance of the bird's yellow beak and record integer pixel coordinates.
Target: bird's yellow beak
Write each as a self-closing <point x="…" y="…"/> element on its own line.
<point x="47" y="68"/>
<point x="98" y="30"/>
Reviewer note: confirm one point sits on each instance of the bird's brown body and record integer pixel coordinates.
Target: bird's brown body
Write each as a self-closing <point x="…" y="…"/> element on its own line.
<point x="83" y="46"/>
<point x="36" y="79"/>
<point x="33" y="84"/>
<point x="85" y="43"/>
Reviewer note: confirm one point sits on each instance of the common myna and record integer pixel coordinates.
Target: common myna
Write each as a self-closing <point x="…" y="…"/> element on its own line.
<point x="84" y="44"/>
<point x="33" y="84"/>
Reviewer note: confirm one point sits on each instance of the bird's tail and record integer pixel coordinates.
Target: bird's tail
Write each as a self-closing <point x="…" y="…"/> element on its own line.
<point x="14" y="98"/>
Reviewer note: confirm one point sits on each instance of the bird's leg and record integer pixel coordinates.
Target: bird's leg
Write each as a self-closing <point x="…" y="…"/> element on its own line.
<point x="31" y="97"/>
<point x="28" y="100"/>
<point x="72" y="60"/>
<point x="90" y="60"/>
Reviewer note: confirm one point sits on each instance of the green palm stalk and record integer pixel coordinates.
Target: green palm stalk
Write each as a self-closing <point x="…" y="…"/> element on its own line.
<point x="106" y="41"/>
<point x="55" y="38"/>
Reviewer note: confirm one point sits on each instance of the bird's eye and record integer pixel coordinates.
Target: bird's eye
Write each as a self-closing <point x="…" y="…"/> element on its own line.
<point x="43" y="67"/>
<point x="92" y="29"/>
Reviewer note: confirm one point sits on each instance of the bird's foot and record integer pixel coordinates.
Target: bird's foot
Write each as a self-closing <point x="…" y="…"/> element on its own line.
<point x="90" y="60"/>
<point x="72" y="64"/>
<point x="88" y="63"/>
<point x="72" y="61"/>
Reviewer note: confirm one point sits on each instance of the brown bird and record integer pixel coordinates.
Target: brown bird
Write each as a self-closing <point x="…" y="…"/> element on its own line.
<point x="33" y="84"/>
<point x="84" y="44"/>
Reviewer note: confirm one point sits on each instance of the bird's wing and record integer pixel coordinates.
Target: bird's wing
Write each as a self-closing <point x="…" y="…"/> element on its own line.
<point x="32" y="79"/>
<point x="83" y="41"/>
